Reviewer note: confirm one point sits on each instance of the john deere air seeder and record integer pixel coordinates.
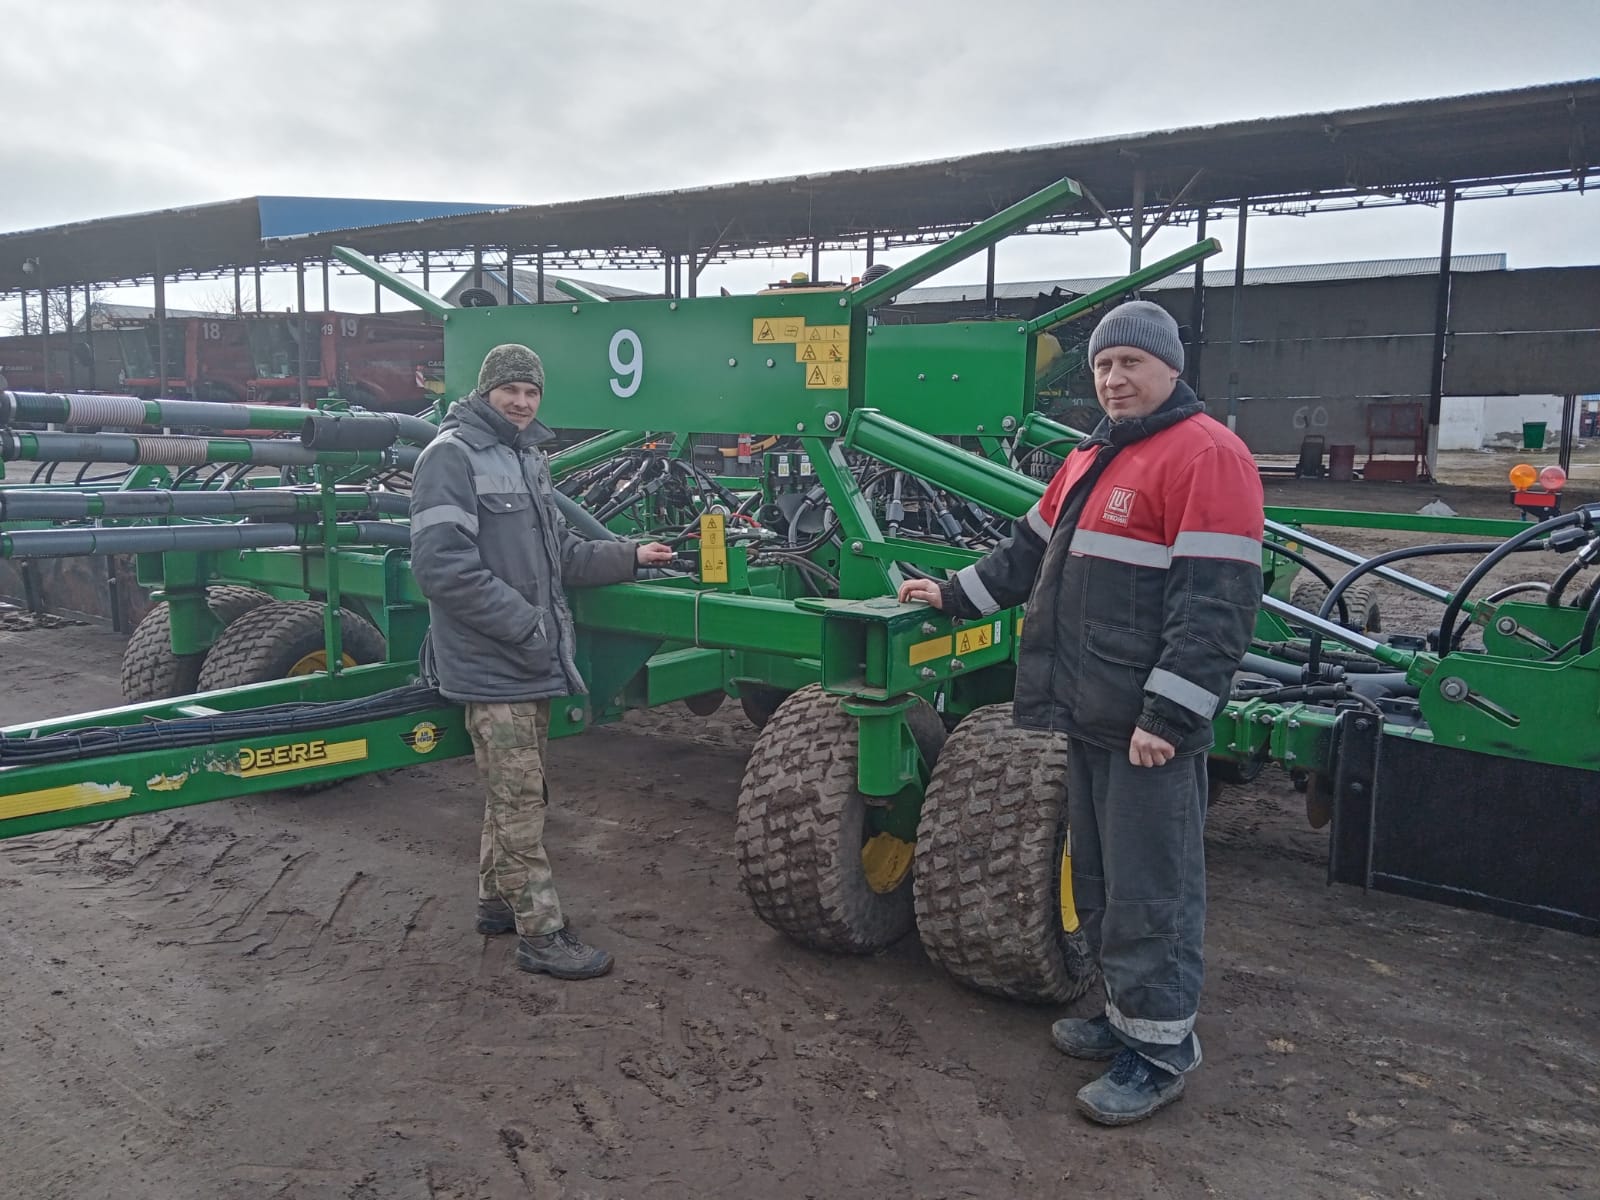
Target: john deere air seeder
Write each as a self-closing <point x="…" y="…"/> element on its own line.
<point x="803" y="461"/>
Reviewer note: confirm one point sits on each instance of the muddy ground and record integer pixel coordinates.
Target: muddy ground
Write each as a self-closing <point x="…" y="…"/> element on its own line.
<point x="283" y="997"/>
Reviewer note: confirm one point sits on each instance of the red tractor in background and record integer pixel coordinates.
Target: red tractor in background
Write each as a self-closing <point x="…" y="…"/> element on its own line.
<point x="390" y="361"/>
<point x="208" y="358"/>
<point x="22" y="365"/>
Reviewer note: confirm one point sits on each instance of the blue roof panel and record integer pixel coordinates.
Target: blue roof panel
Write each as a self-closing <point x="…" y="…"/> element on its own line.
<point x="298" y="216"/>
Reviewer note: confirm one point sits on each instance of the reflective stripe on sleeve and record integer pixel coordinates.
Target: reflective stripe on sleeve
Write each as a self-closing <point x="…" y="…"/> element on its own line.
<point x="444" y="514"/>
<point x="1038" y="524"/>
<point x="967" y="580"/>
<point x="1180" y="691"/>
<point x="1217" y="545"/>
<point x="484" y="482"/>
<point x="1114" y="546"/>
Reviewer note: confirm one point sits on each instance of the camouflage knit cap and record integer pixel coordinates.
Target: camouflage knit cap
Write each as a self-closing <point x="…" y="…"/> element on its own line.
<point x="510" y="363"/>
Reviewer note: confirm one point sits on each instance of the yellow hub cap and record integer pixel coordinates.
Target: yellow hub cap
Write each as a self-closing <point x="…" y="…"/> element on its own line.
<point x="317" y="660"/>
<point x="1069" y="910"/>
<point x="887" y="861"/>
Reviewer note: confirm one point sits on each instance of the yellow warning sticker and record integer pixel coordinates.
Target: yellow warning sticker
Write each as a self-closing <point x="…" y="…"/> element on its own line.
<point x="978" y="637"/>
<point x="823" y="352"/>
<point x="827" y="333"/>
<point x="297" y="756"/>
<point x="713" y="548"/>
<point x="921" y="652"/>
<point x="771" y="330"/>
<point x="828" y="375"/>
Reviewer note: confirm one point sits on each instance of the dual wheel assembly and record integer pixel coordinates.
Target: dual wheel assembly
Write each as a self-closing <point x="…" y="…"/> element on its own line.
<point x="988" y="885"/>
<point x="261" y="639"/>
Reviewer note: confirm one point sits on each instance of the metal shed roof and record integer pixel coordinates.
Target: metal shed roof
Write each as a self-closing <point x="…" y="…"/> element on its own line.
<point x="1374" y="268"/>
<point x="1403" y="151"/>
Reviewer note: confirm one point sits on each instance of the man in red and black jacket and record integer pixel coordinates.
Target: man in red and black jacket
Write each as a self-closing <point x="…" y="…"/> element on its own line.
<point x="1141" y="568"/>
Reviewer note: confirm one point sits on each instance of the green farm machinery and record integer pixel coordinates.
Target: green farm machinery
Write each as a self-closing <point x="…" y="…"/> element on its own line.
<point x="802" y="461"/>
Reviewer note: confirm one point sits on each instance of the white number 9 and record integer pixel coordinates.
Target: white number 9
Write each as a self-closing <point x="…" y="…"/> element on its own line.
<point x="631" y="368"/>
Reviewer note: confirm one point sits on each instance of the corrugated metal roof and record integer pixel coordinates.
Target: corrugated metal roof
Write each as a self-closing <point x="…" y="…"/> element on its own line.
<point x="1404" y="150"/>
<point x="528" y="284"/>
<point x="1374" y="268"/>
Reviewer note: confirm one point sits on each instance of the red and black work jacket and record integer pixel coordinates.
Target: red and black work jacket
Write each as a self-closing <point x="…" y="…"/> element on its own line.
<point x="1141" y="567"/>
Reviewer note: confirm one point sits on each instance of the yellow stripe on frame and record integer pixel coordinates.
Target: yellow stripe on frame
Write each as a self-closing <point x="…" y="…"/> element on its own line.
<point x="938" y="647"/>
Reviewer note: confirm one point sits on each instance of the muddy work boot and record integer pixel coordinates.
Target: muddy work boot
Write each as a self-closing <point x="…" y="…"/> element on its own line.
<point x="1131" y="1091"/>
<point x="561" y="954"/>
<point x="1092" y="1038"/>
<point x="495" y="916"/>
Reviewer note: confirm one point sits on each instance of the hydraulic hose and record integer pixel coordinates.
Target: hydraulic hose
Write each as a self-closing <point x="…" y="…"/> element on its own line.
<point x="1429" y="550"/>
<point x="1447" y="624"/>
<point x="1323" y="577"/>
<point x="1591" y="623"/>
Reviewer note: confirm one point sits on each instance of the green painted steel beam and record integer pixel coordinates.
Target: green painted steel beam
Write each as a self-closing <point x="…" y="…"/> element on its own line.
<point x="576" y="290"/>
<point x="1039" y="432"/>
<point x="1062" y="194"/>
<point x="1408" y="522"/>
<point x="55" y="795"/>
<point x="968" y="475"/>
<point x="700" y="618"/>
<point x="592" y="450"/>
<point x="1132" y="283"/>
<point x="404" y="288"/>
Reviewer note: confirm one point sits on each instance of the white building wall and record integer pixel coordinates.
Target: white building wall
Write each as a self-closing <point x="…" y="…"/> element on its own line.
<point x="1475" y="422"/>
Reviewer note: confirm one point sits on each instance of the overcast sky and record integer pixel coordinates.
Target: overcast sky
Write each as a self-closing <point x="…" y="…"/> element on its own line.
<point x="118" y="106"/>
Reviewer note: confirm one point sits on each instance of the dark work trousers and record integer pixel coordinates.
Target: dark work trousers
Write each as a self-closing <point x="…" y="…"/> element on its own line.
<point x="1139" y="882"/>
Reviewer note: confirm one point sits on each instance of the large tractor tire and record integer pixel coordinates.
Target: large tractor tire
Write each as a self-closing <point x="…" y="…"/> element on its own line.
<point x="806" y="852"/>
<point x="280" y="641"/>
<point x="1360" y="601"/>
<point x="991" y="850"/>
<point x="150" y="669"/>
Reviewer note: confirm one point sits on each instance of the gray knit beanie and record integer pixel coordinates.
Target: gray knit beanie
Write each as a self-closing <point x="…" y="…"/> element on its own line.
<point x="1140" y="324"/>
<point x="510" y="363"/>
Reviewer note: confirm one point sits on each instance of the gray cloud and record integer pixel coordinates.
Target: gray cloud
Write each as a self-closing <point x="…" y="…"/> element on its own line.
<point x="138" y="106"/>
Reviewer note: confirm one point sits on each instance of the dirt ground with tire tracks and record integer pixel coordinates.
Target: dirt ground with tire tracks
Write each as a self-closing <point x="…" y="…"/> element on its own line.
<point x="283" y="997"/>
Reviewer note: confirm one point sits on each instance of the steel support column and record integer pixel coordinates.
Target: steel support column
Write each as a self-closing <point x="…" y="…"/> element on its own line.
<point x="1197" y="312"/>
<point x="88" y="334"/>
<point x="1441" y="322"/>
<point x="1238" y="310"/>
<point x="511" y="275"/>
<point x="1136" y="222"/>
<point x="161" y="328"/>
<point x="258" y="287"/>
<point x="1569" y="416"/>
<point x="327" y="293"/>
<point x="300" y="303"/>
<point x="988" y="286"/>
<point x="72" y="359"/>
<point x="238" y="291"/>
<point x="477" y="266"/>
<point x="538" y="277"/>
<point x="816" y="260"/>
<point x="871" y="237"/>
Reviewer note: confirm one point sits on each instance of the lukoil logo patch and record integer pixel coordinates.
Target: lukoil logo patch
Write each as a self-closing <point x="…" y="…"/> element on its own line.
<point x="1119" y="507"/>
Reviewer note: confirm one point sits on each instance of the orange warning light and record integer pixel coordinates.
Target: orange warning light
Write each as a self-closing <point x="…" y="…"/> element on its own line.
<point x="1523" y="476"/>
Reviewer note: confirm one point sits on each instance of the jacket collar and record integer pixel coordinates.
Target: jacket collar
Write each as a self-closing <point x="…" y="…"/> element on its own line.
<point x="480" y="426"/>
<point x="1179" y="406"/>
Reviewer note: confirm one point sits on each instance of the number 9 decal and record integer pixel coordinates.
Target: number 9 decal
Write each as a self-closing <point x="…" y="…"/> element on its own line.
<point x="630" y="369"/>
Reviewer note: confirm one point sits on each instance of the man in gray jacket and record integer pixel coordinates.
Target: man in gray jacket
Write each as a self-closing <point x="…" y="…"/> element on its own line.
<point x="491" y="552"/>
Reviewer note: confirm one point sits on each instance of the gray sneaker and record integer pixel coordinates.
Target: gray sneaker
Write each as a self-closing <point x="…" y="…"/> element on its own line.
<point x="1130" y="1091"/>
<point x="562" y="955"/>
<point x="1090" y="1038"/>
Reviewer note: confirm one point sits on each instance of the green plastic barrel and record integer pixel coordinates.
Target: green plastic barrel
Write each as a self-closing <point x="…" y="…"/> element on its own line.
<point x="1533" y="434"/>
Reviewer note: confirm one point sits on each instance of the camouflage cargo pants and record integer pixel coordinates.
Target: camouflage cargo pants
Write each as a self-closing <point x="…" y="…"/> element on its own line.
<point x="508" y="744"/>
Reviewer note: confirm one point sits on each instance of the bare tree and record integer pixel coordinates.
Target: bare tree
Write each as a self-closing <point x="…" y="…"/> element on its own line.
<point x="218" y="302"/>
<point x="61" y="302"/>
